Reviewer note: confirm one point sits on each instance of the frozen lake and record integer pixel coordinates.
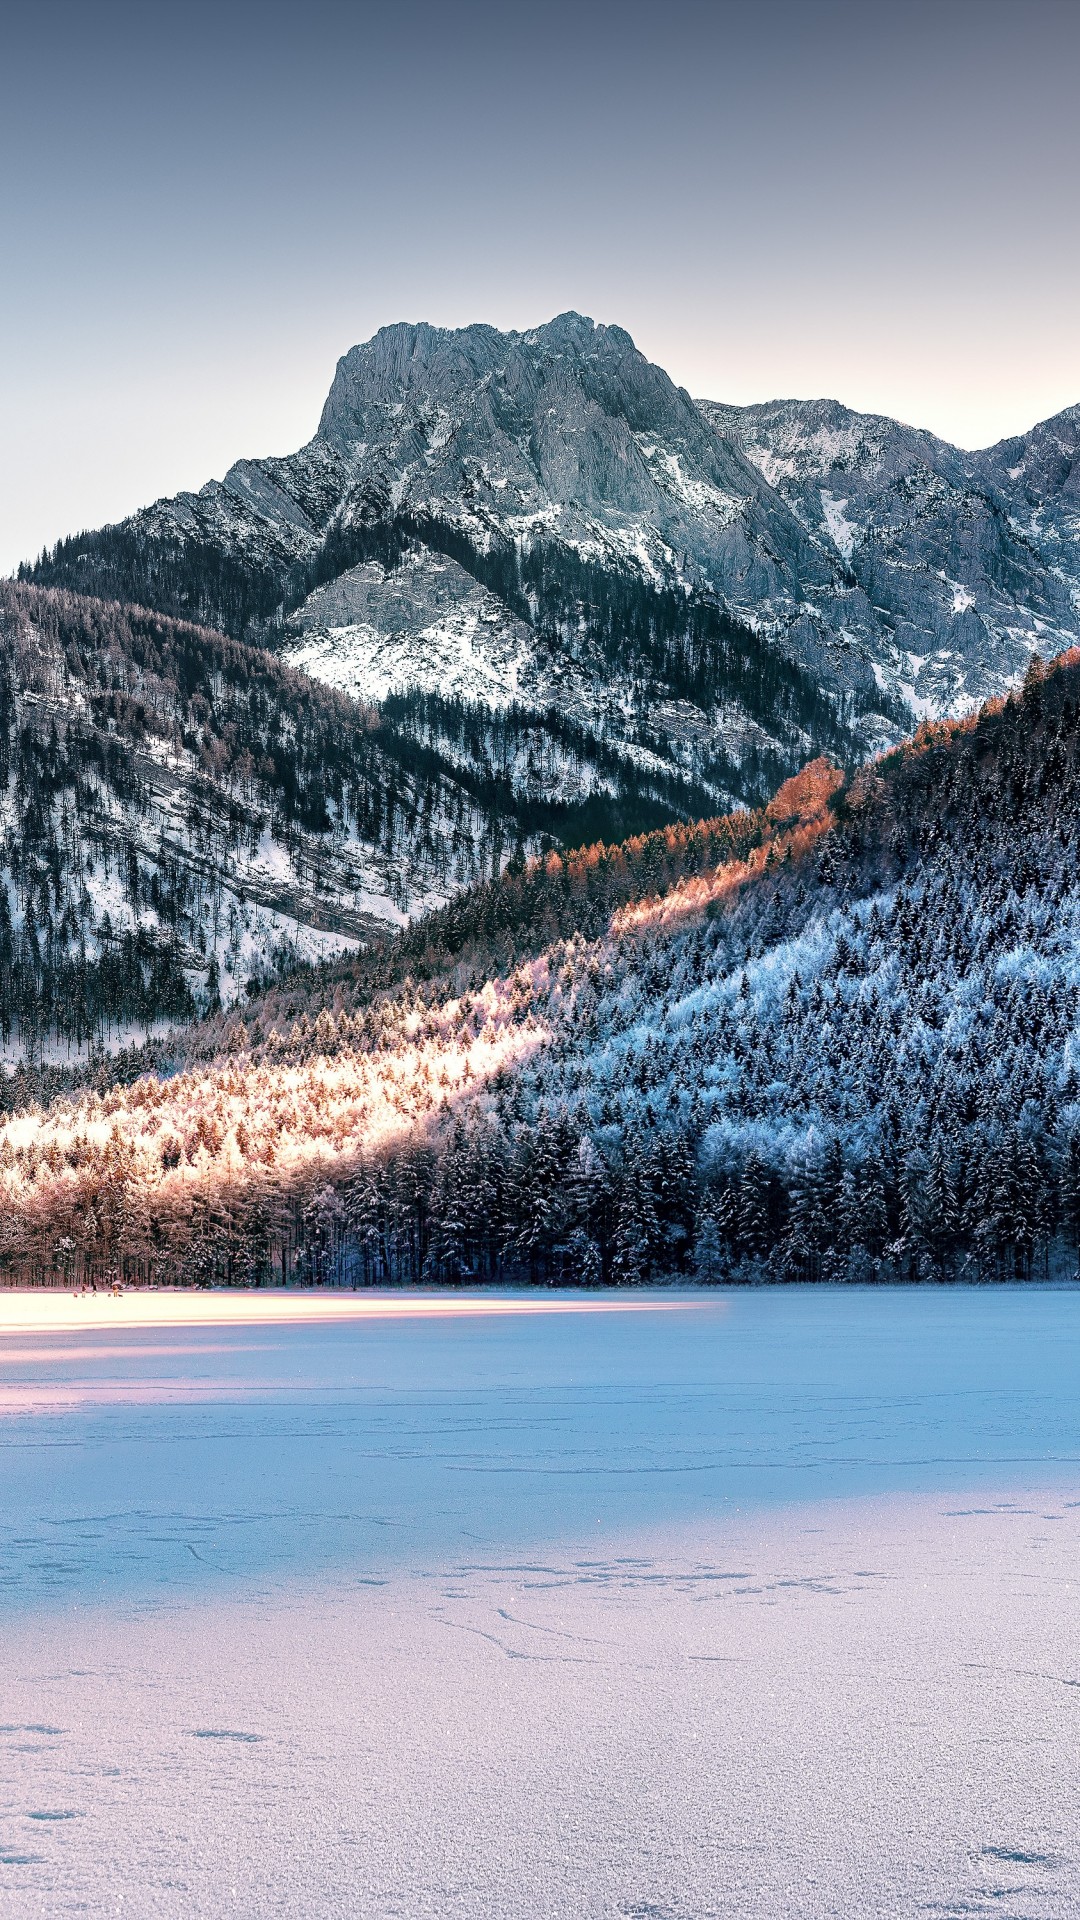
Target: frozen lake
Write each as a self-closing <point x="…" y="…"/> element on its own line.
<point x="759" y="1604"/>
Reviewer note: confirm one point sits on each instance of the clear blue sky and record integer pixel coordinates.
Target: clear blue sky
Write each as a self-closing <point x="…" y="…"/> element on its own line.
<point x="201" y="207"/>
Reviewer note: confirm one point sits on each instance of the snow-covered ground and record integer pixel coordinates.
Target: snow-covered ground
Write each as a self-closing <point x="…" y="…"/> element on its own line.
<point x="426" y="624"/>
<point x="764" y="1606"/>
<point x="840" y="530"/>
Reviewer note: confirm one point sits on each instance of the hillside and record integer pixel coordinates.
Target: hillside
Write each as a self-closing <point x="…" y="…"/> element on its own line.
<point x="182" y="817"/>
<point x="833" y="1038"/>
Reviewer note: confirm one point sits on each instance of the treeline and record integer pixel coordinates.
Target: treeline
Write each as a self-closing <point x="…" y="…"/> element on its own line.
<point x="34" y="1083"/>
<point x="484" y="930"/>
<point x="192" y="579"/>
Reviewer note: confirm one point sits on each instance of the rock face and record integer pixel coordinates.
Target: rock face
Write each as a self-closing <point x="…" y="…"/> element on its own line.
<point x="1037" y="477"/>
<point x="525" y="519"/>
<point x="960" y="565"/>
<point x="425" y="623"/>
<point x="569" y="431"/>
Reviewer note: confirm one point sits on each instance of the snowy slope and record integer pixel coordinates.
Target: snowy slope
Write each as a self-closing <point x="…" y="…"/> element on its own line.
<point x="428" y="626"/>
<point x="376" y="630"/>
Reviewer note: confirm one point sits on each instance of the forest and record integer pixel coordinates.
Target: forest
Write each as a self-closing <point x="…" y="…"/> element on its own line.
<point x="159" y="782"/>
<point x="831" y="1039"/>
<point x="184" y="818"/>
<point x="603" y="613"/>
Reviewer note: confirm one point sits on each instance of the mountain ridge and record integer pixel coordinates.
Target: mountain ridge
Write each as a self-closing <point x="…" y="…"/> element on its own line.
<point x="566" y="432"/>
<point x="941" y="538"/>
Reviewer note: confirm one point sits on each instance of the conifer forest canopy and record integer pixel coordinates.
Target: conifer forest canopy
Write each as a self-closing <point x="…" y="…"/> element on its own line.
<point x="833" y="1037"/>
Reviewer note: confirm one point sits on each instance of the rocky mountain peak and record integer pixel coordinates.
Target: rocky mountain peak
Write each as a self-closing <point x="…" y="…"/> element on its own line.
<point x="907" y="578"/>
<point x="418" y="371"/>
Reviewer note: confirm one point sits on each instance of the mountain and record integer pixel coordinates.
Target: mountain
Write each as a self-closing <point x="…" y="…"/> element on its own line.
<point x="960" y="565"/>
<point x="506" y="516"/>
<point x="540" y="520"/>
<point x="548" y="599"/>
<point x="833" y="1038"/>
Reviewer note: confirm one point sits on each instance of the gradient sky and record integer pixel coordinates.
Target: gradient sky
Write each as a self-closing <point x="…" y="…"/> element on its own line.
<point x="202" y="207"/>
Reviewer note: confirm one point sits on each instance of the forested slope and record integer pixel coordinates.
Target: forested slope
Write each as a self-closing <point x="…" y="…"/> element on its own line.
<point x="569" y="686"/>
<point x="833" y="1039"/>
<point x="183" y="817"/>
<point x="181" y="814"/>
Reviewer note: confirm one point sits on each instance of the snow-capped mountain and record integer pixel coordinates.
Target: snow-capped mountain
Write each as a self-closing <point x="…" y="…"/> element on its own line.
<point x="902" y="576"/>
<point x="959" y="565"/>
<point x="540" y="518"/>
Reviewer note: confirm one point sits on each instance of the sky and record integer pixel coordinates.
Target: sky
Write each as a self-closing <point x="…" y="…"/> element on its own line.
<point x="202" y="208"/>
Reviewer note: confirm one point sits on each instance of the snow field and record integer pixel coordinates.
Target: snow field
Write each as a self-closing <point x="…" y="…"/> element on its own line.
<point x="763" y="1607"/>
